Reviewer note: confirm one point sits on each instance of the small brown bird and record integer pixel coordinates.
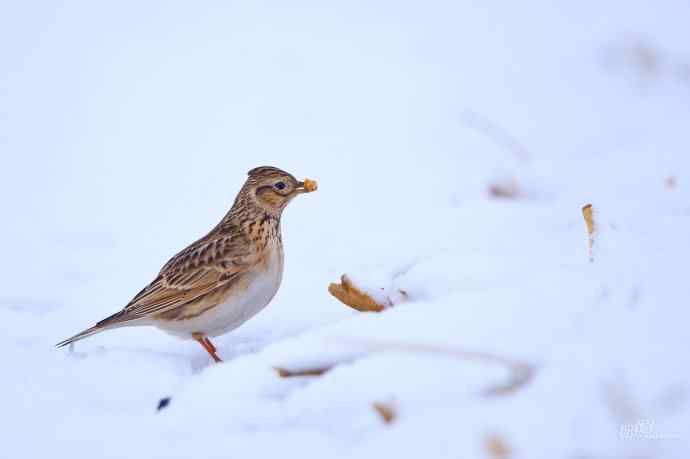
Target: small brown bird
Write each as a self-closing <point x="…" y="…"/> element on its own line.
<point x="226" y="277"/>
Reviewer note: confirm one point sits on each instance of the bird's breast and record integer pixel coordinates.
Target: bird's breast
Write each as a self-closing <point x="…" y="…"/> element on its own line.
<point x="243" y="298"/>
<point x="256" y="292"/>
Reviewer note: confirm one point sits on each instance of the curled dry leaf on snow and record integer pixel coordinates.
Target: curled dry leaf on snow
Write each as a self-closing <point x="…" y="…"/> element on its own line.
<point x="362" y="299"/>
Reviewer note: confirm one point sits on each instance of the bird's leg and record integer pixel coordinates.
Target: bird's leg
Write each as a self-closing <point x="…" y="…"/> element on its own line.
<point x="210" y="344"/>
<point x="210" y="348"/>
<point x="206" y="344"/>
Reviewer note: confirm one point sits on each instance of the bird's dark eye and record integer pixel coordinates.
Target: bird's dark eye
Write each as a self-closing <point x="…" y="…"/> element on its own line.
<point x="280" y="185"/>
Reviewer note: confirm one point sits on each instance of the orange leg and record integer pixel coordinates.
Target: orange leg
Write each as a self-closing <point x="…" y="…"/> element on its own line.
<point x="210" y="348"/>
<point x="210" y="344"/>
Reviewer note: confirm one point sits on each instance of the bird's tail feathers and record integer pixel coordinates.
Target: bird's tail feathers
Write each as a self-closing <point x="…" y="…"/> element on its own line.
<point x="117" y="320"/>
<point x="79" y="336"/>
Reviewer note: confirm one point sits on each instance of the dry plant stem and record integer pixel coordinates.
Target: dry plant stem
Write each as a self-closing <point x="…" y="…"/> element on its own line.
<point x="587" y="213"/>
<point x="496" y="133"/>
<point x="285" y="373"/>
<point x="521" y="373"/>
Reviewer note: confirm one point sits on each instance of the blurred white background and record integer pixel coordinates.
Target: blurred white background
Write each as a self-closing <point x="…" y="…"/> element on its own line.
<point x="126" y="128"/>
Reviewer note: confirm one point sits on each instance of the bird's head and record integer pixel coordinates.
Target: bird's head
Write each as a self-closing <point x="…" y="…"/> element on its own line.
<point x="272" y="188"/>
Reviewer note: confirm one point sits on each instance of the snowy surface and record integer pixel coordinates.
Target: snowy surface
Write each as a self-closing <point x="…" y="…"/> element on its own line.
<point x="127" y="129"/>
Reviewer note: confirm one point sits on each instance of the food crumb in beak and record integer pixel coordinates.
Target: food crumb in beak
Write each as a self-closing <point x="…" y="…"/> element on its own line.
<point x="310" y="185"/>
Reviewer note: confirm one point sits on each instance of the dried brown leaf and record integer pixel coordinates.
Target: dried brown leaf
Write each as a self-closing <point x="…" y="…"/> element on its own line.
<point x="386" y="410"/>
<point x="351" y="296"/>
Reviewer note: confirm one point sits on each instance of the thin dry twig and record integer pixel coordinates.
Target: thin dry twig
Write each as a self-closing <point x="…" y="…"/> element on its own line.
<point x="286" y="373"/>
<point x="520" y="373"/>
<point x="493" y="131"/>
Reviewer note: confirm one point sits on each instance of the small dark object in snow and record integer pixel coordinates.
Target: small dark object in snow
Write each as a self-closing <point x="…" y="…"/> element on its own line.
<point x="163" y="403"/>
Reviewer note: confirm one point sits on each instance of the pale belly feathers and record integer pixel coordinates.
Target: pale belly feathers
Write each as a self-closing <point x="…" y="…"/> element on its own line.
<point x="261" y="285"/>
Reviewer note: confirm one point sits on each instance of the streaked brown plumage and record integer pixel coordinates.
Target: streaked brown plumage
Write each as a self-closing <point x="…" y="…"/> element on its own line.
<point x="224" y="278"/>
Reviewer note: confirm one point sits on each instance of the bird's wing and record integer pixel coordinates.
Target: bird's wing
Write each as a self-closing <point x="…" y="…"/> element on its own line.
<point x="205" y="266"/>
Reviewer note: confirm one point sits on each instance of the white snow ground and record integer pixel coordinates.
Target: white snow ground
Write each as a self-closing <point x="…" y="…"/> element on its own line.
<point x="128" y="127"/>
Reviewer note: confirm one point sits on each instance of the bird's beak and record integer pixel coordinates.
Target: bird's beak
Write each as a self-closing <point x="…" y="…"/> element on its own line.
<point x="307" y="186"/>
